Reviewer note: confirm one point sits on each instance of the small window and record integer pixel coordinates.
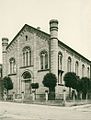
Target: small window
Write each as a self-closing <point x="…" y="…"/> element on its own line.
<point x="69" y="64"/>
<point x="26" y="37"/>
<point x="88" y="72"/>
<point x="60" y="61"/>
<point x="76" y="67"/>
<point x="83" y="70"/>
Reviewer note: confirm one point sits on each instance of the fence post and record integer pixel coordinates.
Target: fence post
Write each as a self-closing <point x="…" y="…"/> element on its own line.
<point x="33" y="93"/>
<point x="13" y="96"/>
<point x="46" y="95"/>
<point x="64" y="96"/>
<point x="22" y="96"/>
<point x="5" y="96"/>
<point x="86" y="97"/>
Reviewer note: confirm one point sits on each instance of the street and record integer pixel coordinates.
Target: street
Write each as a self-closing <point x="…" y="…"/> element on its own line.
<point x="20" y="111"/>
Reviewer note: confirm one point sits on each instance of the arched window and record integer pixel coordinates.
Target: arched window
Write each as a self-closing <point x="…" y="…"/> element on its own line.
<point x="88" y="74"/>
<point x="69" y="64"/>
<point x="26" y="56"/>
<point x="83" y="70"/>
<point x="60" y="61"/>
<point x="76" y="67"/>
<point x="44" y="60"/>
<point x="12" y="66"/>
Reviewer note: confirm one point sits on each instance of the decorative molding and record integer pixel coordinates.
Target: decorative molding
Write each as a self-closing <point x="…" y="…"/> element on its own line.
<point x="61" y="47"/>
<point x="69" y="52"/>
<point x="4" y="51"/>
<point x="12" y="74"/>
<point x="39" y="33"/>
<point x="43" y="70"/>
<point x="26" y="66"/>
<point x="77" y="57"/>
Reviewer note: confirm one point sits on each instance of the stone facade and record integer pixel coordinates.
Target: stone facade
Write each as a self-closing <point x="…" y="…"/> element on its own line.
<point x="33" y="53"/>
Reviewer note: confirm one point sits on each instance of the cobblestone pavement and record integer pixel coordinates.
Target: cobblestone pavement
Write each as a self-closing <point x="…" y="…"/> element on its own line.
<point x="20" y="111"/>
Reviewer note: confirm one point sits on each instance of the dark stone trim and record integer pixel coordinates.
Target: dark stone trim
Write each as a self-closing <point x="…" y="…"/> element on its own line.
<point x="53" y="38"/>
<point x="12" y="74"/>
<point x="4" y="52"/>
<point x="53" y="28"/>
<point x="26" y="66"/>
<point x="43" y="70"/>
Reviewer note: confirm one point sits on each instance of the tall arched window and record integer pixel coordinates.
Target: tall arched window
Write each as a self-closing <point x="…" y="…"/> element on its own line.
<point x="76" y="67"/>
<point x="69" y="64"/>
<point x="12" y="66"/>
<point x="83" y="70"/>
<point x="26" y="56"/>
<point x="88" y="74"/>
<point x="60" y="61"/>
<point x="44" y="60"/>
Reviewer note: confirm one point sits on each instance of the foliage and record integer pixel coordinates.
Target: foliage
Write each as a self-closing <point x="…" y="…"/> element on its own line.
<point x="7" y="83"/>
<point x="70" y="79"/>
<point x="35" y="85"/>
<point x="1" y="89"/>
<point x="89" y="86"/>
<point x="50" y="81"/>
<point x="84" y="84"/>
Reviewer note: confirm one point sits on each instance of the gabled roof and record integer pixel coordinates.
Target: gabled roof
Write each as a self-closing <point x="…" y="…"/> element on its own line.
<point x="26" y="25"/>
<point x="37" y="30"/>
<point x="64" y="45"/>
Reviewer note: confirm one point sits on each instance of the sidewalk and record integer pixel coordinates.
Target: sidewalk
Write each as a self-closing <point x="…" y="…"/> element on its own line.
<point x="59" y="103"/>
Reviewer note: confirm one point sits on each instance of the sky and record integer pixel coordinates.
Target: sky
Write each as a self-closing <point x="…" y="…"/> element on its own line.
<point x="74" y="18"/>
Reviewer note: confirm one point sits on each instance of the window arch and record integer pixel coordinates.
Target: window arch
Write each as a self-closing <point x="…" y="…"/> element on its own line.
<point x="12" y="66"/>
<point x="44" y="60"/>
<point x="69" y="64"/>
<point x="76" y="67"/>
<point x="83" y="70"/>
<point x="26" y="56"/>
<point x="88" y="70"/>
<point x="60" y="60"/>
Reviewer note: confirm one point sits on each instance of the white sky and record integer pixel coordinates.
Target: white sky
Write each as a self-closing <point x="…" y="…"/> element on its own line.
<point x="74" y="18"/>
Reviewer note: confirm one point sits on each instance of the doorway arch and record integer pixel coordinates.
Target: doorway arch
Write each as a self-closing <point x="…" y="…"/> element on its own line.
<point x="26" y="82"/>
<point x="26" y="75"/>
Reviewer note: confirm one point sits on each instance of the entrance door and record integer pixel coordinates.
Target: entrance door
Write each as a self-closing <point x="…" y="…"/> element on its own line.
<point x="26" y="82"/>
<point x="27" y="87"/>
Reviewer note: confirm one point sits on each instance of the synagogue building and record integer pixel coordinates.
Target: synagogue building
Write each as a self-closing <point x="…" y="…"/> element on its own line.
<point x="33" y="53"/>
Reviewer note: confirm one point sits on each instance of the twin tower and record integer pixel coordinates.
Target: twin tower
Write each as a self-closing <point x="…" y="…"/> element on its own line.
<point x="53" y="59"/>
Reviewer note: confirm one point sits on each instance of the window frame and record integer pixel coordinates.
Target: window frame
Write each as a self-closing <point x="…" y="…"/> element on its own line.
<point x="12" y="65"/>
<point x="26" y="53"/>
<point x="44" y="60"/>
<point x="69" y="62"/>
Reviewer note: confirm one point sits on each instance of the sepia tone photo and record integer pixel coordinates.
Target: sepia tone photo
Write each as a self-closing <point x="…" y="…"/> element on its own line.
<point x="45" y="63"/>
